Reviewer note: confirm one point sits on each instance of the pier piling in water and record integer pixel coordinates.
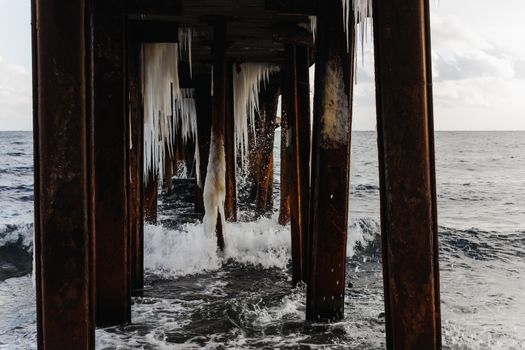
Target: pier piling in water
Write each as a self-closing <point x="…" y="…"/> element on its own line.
<point x="90" y="147"/>
<point x="330" y="165"/>
<point x="64" y="238"/>
<point x="113" y="303"/>
<point x="407" y="175"/>
<point x="135" y="163"/>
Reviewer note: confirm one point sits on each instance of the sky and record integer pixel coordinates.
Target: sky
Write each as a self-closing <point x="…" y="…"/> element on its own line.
<point x="478" y="61"/>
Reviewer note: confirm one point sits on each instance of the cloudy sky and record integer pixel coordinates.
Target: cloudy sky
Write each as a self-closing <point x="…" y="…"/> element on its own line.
<point x="478" y="59"/>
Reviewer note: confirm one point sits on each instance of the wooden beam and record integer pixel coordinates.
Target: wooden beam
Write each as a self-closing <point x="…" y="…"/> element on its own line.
<point x="149" y="31"/>
<point x="64" y="242"/>
<point x="292" y="34"/>
<point x="407" y="174"/>
<point x="110" y="147"/>
<point x="292" y="7"/>
<point x="145" y="8"/>
<point x="330" y="165"/>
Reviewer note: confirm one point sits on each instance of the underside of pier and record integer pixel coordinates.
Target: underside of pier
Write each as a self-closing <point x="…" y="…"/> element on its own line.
<point x="124" y="90"/>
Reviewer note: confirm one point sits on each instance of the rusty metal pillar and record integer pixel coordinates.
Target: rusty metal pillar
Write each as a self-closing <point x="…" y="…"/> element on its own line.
<point x="330" y="164"/>
<point x="230" y="203"/>
<point x="407" y="176"/>
<point x="268" y="101"/>
<point x="296" y="99"/>
<point x="113" y="292"/>
<point x="203" y="110"/>
<point x="218" y="110"/>
<point x="135" y="164"/>
<point x="171" y="159"/>
<point x="284" y="206"/>
<point x="149" y="198"/>
<point x="64" y="242"/>
<point x="302" y="136"/>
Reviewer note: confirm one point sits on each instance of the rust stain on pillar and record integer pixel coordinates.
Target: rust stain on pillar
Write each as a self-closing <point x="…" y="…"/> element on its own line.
<point x="407" y="175"/>
<point x="135" y="165"/>
<point x="218" y="111"/>
<point x="64" y="243"/>
<point x="230" y="203"/>
<point x="330" y="165"/>
<point x="110" y="147"/>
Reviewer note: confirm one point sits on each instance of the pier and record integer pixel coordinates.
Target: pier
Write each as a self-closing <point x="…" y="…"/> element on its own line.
<point x="124" y="90"/>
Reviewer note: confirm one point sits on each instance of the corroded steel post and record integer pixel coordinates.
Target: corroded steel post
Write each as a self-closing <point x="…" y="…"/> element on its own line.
<point x="330" y="164"/>
<point x="268" y="101"/>
<point x="110" y="147"/>
<point x="218" y="110"/>
<point x="135" y="164"/>
<point x="297" y="96"/>
<point x="149" y="198"/>
<point x="64" y="243"/>
<point x="289" y="106"/>
<point x="407" y="176"/>
<point x="302" y="145"/>
<point x="230" y="203"/>
<point x="284" y="206"/>
<point x="203" y="110"/>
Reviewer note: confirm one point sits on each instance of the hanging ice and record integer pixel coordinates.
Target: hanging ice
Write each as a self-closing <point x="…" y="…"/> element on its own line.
<point x="247" y="80"/>
<point x="168" y="110"/>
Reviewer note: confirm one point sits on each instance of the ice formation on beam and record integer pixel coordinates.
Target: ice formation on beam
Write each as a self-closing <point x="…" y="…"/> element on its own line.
<point x="185" y="37"/>
<point x="214" y="193"/>
<point x="161" y="77"/>
<point x="168" y="109"/>
<point x="247" y="81"/>
<point x="362" y="11"/>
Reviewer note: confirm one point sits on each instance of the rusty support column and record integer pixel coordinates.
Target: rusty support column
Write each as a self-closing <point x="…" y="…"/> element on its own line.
<point x="218" y="112"/>
<point x="330" y="165"/>
<point x="407" y="176"/>
<point x="110" y="146"/>
<point x="302" y="131"/>
<point x="170" y="162"/>
<point x="268" y="100"/>
<point x="296" y="99"/>
<point x="203" y="110"/>
<point x="135" y="165"/>
<point x="64" y="242"/>
<point x="149" y="198"/>
<point x="230" y="204"/>
<point x="284" y="206"/>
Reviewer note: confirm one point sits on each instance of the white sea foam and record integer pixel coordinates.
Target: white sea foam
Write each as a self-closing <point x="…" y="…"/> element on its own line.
<point x="262" y="243"/>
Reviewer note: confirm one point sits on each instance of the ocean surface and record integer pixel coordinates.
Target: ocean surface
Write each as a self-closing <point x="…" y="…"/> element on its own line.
<point x="196" y="299"/>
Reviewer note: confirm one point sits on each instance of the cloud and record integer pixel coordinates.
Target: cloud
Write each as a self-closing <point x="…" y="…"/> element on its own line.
<point x="15" y="97"/>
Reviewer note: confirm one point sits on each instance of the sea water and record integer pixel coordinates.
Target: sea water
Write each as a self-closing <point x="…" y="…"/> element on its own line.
<point x="243" y="299"/>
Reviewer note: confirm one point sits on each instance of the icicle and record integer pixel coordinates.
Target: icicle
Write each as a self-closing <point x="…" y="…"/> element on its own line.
<point x="313" y="25"/>
<point x="185" y="38"/>
<point x="161" y="80"/>
<point x="362" y="21"/>
<point x="247" y="79"/>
